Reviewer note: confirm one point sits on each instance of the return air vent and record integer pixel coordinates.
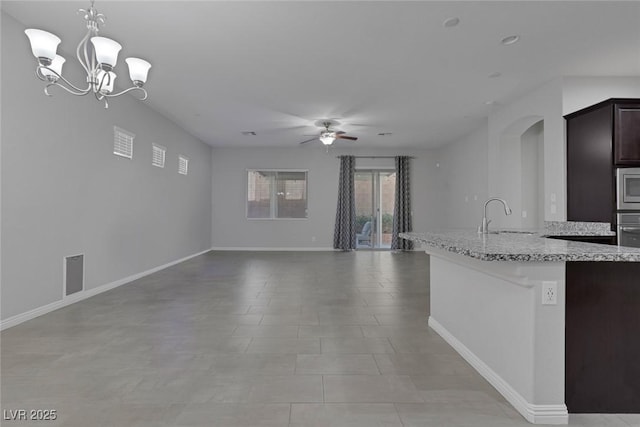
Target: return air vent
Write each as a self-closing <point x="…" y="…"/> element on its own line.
<point x="122" y="143"/>
<point x="183" y="165"/>
<point x="158" y="156"/>
<point x="73" y="274"/>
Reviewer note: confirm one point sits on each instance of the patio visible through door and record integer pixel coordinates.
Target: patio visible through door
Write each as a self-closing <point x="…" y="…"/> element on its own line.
<point x="375" y="196"/>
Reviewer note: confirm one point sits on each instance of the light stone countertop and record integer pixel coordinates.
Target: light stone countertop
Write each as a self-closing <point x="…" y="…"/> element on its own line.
<point x="521" y="245"/>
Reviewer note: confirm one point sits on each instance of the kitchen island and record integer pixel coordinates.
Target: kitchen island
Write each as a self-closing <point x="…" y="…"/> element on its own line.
<point x="503" y="302"/>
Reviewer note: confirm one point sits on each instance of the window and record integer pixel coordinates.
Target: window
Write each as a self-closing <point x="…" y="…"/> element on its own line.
<point x="183" y="165"/>
<point x="276" y="194"/>
<point x="122" y="143"/>
<point x="158" y="155"/>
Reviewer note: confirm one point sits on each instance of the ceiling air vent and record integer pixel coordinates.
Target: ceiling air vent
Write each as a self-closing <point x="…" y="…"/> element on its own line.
<point x="122" y="143"/>
<point x="183" y="165"/>
<point x="158" y="156"/>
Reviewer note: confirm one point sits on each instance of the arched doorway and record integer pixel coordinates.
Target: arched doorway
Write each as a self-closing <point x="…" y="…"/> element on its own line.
<point x="522" y="173"/>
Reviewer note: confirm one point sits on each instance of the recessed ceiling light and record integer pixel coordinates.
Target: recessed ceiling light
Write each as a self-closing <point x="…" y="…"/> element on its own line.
<point x="249" y="132"/>
<point x="494" y="75"/>
<point x="510" y="40"/>
<point x="451" y="22"/>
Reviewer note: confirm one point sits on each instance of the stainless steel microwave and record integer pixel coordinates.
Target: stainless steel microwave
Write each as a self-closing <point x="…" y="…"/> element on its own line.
<point x="628" y="185"/>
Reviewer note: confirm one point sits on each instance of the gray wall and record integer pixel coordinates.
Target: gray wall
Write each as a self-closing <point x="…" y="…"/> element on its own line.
<point x="231" y="229"/>
<point x="65" y="193"/>
<point x="462" y="180"/>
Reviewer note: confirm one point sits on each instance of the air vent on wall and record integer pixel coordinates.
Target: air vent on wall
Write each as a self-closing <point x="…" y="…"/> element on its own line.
<point x="122" y="142"/>
<point x="73" y="274"/>
<point x="158" y="156"/>
<point x="183" y="165"/>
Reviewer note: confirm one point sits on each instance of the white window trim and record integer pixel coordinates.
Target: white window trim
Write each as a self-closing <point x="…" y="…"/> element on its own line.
<point x="273" y="191"/>
<point x="117" y="130"/>
<point x="159" y="147"/>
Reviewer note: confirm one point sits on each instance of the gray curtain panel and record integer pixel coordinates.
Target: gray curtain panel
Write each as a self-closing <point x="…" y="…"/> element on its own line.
<point x="402" y="207"/>
<point x="344" y="235"/>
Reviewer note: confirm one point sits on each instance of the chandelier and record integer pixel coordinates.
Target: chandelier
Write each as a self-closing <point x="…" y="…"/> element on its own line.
<point x="98" y="58"/>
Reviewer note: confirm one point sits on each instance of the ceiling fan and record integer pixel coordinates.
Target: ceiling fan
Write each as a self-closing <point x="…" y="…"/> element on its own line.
<point x="328" y="136"/>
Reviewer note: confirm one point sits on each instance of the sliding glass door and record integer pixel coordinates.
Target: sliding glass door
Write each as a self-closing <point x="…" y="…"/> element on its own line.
<point x="375" y="196"/>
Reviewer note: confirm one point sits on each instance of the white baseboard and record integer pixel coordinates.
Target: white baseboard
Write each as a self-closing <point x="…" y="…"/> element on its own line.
<point x="272" y="249"/>
<point x="536" y="414"/>
<point x="82" y="295"/>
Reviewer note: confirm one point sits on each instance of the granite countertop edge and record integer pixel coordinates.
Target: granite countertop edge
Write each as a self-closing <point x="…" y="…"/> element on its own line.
<point x="528" y="245"/>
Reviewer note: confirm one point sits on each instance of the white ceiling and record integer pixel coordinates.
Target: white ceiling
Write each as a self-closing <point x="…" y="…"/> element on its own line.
<point x="274" y="67"/>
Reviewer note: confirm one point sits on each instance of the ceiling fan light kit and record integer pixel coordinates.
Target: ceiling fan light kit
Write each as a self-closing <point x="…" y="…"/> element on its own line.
<point x="97" y="55"/>
<point x="328" y="136"/>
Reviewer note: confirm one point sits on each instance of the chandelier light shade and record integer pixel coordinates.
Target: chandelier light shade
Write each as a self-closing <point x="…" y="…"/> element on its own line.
<point x="54" y="69"/>
<point x="97" y="55"/>
<point x="43" y="45"/>
<point x="106" y="51"/>
<point x="327" y="138"/>
<point x="106" y="79"/>
<point x="138" y="70"/>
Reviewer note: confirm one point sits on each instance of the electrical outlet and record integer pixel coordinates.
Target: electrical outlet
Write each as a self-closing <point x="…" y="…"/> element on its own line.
<point x="549" y="293"/>
<point x="313" y="238"/>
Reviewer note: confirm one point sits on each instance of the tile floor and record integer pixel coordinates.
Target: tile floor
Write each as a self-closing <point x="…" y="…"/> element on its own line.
<point x="255" y="339"/>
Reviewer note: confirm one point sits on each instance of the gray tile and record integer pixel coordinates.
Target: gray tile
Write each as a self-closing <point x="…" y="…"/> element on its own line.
<point x="422" y="364"/>
<point x="404" y="319"/>
<point x="285" y="345"/>
<point x="347" y="319"/>
<point x="267" y="331"/>
<point x="469" y="382"/>
<point x="256" y="364"/>
<point x="369" y="389"/>
<point x="255" y="338"/>
<point x="420" y="343"/>
<point x="356" y="345"/>
<point x="290" y="319"/>
<point x="238" y="415"/>
<point x="456" y="414"/>
<point x="395" y="331"/>
<point x="286" y="389"/>
<point x="324" y="331"/>
<point x="344" y="414"/>
<point x="362" y="364"/>
<point x="593" y="420"/>
<point x="633" y="420"/>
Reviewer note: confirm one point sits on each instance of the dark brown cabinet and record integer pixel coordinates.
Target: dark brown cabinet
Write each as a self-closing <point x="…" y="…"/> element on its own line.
<point x="599" y="139"/>
<point x="602" y="326"/>
<point x="626" y="133"/>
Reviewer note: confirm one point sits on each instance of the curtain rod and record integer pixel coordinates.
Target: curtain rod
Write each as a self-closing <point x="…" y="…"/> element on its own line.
<point x="375" y="157"/>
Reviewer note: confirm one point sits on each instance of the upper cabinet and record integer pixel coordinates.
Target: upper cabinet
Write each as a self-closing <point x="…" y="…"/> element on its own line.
<point x="599" y="139"/>
<point x="626" y="133"/>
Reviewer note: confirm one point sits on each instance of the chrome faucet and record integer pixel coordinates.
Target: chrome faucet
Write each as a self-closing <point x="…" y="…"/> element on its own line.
<point x="484" y="227"/>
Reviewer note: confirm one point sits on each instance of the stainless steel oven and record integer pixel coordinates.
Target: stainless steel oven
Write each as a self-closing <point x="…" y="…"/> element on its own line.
<point x="628" y="185"/>
<point x="629" y="229"/>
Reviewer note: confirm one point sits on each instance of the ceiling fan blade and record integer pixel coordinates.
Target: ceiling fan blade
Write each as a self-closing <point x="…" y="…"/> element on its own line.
<point x="350" y="138"/>
<point x="340" y="132"/>
<point x="315" y="138"/>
